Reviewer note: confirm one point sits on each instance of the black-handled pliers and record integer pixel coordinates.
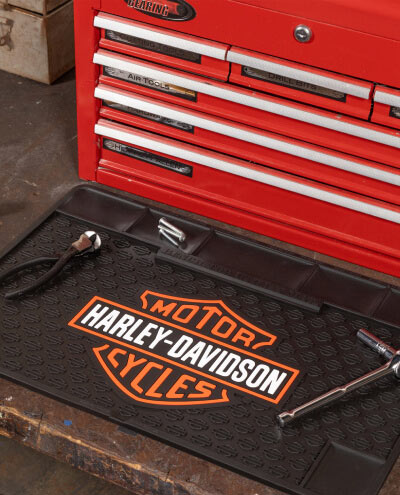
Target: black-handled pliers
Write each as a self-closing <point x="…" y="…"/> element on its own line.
<point x="89" y="242"/>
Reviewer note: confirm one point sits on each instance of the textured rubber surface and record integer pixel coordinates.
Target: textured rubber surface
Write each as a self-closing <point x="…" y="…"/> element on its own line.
<point x="39" y="349"/>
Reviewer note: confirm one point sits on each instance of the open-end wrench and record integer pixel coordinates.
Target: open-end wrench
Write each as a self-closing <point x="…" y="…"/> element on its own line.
<point x="392" y="367"/>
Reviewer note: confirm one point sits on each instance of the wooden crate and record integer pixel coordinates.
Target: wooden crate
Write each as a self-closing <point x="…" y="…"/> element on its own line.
<point x="37" y="38"/>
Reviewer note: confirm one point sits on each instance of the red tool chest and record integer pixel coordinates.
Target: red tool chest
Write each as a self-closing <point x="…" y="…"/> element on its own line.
<point x="278" y="117"/>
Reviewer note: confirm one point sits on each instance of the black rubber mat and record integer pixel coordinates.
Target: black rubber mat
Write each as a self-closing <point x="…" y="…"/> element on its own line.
<point x="203" y="346"/>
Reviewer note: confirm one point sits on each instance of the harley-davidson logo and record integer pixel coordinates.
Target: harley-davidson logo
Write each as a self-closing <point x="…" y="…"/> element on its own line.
<point x="182" y="352"/>
<point x="168" y="10"/>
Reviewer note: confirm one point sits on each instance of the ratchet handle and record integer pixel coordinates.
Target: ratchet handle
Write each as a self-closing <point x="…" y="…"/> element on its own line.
<point x="376" y="344"/>
<point x="288" y="416"/>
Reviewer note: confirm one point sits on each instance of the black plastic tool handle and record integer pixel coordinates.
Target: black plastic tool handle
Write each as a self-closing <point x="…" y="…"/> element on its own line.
<point x="24" y="266"/>
<point x="54" y="270"/>
<point x="88" y="242"/>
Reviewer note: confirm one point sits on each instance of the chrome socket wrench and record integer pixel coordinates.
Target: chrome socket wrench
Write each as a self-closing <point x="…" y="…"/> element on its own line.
<point x="392" y="367"/>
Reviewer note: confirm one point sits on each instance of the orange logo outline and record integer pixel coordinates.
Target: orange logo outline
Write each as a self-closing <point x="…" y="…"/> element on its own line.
<point x="217" y="302"/>
<point x="97" y="351"/>
<point x="211" y="377"/>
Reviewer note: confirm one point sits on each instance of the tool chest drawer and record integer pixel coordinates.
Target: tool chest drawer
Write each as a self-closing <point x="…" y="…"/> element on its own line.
<point x="301" y="83"/>
<point x="386" y="106"/>
<point x="299" y="121"/>
<point x="163" y="46"/>
<point x="317" y="114"/>
<point x="147" y="157"/>
<point x="347" y="46"/>
<point x="320" y="164"/>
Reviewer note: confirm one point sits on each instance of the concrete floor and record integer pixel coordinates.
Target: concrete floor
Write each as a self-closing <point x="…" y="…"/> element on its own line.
<point x="38" y="149"/>
<point x="38" y="165"/>
<point x="23" y="471"/>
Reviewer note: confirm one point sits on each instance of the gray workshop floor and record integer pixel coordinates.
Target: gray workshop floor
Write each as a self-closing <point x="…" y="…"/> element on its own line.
<point x="25" y="472"/>
<point x="38" y="165"/>
<point x="38" y="149"/>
